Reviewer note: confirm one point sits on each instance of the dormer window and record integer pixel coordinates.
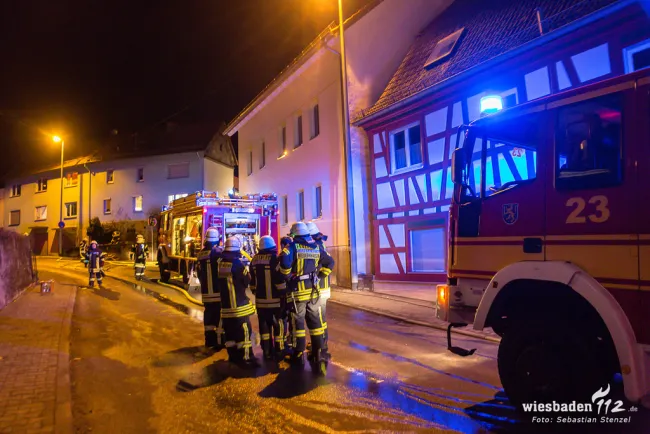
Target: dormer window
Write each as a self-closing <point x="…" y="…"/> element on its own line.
<point x="444" y="48"/>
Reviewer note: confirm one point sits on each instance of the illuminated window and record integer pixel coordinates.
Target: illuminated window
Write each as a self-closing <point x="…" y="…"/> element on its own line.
<point x="110" y="176"/>
<point x="314" y="123"/>
<point x="137" y="203"/>
<point x="173" y="197"/>
<point x="300" y="206"/>
<point x="405" y="149"/>
<point x="107" y="206"/>
<point x="263" y="156"/>
<point x="444" y="48"/>
<point x="179" y="170"/>
<point x="298" y="132"/>
<point x="427" y="249"/>
<point x="285" y="210"/>
<point x="71" y="180"/>
<point x="318" y="202"/>
<point x="637" y="56"/>
<point x="14" y="218"/>
<point x="140" y="176"/>
<point x="41" y="186"/>
<point x="15" y="190"/>
<point x="71" y="210"/>
<point x="40" y="213"/>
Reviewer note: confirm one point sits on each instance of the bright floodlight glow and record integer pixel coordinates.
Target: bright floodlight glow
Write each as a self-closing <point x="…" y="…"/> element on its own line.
<point x="56" y="139"/>
<point x="491" y="104"/>
<point x="231" y="191"/>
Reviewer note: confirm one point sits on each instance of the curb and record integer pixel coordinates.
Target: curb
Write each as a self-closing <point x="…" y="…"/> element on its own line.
<point x="63" y="422"/>
<point x="416" y="322"/>
<point x="376" y="294"/>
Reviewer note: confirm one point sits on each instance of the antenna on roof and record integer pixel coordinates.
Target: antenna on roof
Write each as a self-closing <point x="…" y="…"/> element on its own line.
<point x="540" y="21"/>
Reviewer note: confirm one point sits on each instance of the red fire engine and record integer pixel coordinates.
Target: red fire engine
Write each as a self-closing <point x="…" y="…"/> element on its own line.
<point x="185" y="221"/>
<point x="549" y="240"/>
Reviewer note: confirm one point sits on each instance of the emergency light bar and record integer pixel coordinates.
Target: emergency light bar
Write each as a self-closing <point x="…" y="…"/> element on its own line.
<point x="491" y="104"/>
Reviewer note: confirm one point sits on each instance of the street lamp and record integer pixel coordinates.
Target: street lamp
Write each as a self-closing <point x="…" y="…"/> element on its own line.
<point x="348" y="152"/>
<point x="57" y="139"/>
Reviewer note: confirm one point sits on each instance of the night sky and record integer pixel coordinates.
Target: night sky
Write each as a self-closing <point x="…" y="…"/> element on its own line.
<point x="84" y="68"/>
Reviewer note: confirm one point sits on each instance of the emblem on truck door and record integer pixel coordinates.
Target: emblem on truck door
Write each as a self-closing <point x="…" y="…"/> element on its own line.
<point x="510" y="213"/>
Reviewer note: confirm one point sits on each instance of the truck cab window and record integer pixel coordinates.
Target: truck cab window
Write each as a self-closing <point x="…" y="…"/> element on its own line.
<point x="588" y="144"/>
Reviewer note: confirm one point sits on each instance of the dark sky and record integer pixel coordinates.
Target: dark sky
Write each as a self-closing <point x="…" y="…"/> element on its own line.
<point x="86" y="67"/>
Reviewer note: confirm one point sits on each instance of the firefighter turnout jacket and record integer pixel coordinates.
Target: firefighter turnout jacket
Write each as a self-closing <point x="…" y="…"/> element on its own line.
<point x="304" y="263"/>
<point x="267" y="282"/>
<point x="207" y="273"/>
<point x="232" y="281"/>
<point x="324" y="284"/>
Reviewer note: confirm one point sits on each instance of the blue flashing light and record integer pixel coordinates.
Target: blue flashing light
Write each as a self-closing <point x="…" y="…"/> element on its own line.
<point x="491" y="104"/>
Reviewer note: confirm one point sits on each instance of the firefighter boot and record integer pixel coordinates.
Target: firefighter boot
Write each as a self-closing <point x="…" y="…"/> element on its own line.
<point x="297" y="360"/>
<point x="318" y="361"/>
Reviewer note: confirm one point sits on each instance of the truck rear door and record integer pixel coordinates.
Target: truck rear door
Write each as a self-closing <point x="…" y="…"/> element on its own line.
<point x="591" y="207"/>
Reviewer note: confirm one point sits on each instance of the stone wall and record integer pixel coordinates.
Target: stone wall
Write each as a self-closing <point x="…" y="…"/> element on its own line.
<point x="15" y="265"/>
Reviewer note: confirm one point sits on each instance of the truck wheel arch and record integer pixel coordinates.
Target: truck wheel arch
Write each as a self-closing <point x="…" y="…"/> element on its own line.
<point x="565" y="273"/>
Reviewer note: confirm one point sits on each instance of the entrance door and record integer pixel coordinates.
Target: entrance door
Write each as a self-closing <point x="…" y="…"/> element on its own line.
<point x="591" y="217"/>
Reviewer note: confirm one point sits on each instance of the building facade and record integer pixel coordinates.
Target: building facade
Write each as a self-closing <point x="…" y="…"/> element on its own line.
<point x="290" y="136"/>
<point x="116" y="190"/>
<point x="467" y="53"/>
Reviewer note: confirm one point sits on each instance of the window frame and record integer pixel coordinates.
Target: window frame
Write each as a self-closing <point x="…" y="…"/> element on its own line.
<point x="263" y="155"/>
<point x="317" y="205"/>
<point x="135" y="198"/>
<point x="298" y="132"/>
<point x="16" y="190"/>
<point x="70" y="185"/>
<point x="67" y="214"/>
<point x="437" y="57"/>
<point x="11" y="212"/>
<point x="110" y="176"/>
<point x="39" y="185"/>
<point x="300" y="205"/>
<point x="36" y="213"/>
<point x="314" y="124"/>
<point x="139" y="171"/>
<point x="110" y="207"/>
<point x="629" y="52"/>
<point x="285" y="210"/>
<point x="283" y="141"/>
<point x="391" y="144"/>
<point x="249" y="169"/>
<point x="409" y="251"/>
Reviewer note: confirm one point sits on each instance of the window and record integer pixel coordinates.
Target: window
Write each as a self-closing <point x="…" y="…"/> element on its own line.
<point x="15" y="190"/>
<point x="173" y="197"/>
<point x="40" y="213"/>
<point x="250" y="163"/>
<point x="298" y="132"/>
<point x="140" y="176"/>
<point x="444" y="48"/>
<point x="107" y="206"/>
<point x="405" y="149"/>
<point x="300" y="206"/>
<point x="263" y="156"/>
<point x="285" y="210"/>
<point x="283" y="141"/>
<point x="71" y="210"/>
<point x="71" y="180"/>
<point x="427" y="248"/>
<point x="637" y="56"/>
<point x="41" y="185"/>
<point x="110" y="176"/>
<point x="14" y="218"/>
<point x="314" y="123"/>
<point x="179" y="170"/>
<point x="137" y="203"/>
<point x="318" y="202"/>
<point x="588" y="144"/>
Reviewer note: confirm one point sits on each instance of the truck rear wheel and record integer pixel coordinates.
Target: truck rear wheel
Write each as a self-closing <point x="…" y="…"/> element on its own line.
<point x="164" y="273"/>
<point x="544" y="363"/>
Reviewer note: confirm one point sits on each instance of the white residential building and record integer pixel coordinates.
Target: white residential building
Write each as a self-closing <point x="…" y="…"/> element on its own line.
<point x="291" y="134"/>
<point x="115" y="190"/>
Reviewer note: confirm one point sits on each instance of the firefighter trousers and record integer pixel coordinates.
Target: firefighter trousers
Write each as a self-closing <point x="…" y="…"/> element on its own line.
<point x="212" y="325"/>
<point x="95" y="275"/>
<point x="238" y="332"/>
<point x="272" y="330"/>
<point x="139" y="269"/>
<point x="312" y="314"/>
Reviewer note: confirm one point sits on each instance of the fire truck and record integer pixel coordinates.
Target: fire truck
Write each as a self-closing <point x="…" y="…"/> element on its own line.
<point x="184" y="223"/>
<point x="549" y="240"/>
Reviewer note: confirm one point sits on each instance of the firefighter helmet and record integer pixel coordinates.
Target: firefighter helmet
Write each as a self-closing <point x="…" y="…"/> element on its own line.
<point x="212" y="235"/>
<point x="267" y="242"/>
<point x="313" y="229"/>
<point x="139" y="239"/>
<point x="299" y="229"/>
<point x="93" y="243"/>
<point x="233" y="245"/>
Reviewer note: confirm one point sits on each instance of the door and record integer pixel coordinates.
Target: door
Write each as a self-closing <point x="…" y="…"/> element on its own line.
<point x="591" y="217"/>
<point x="643" y="194"/>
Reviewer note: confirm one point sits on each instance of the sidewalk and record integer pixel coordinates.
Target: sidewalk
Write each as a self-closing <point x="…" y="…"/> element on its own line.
<point x="409" y="310"/>
<point x="35" y="360"/>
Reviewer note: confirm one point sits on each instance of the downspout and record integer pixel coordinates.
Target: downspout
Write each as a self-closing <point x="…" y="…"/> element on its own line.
<point x="90" y="193"/>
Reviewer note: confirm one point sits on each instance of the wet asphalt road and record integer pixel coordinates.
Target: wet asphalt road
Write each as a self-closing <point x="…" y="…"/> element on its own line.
<point x="137" y="367"/>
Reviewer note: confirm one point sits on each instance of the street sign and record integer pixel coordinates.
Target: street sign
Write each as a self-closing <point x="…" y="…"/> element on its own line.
<point x="61" y="224"/>
<point x="153" y="221"/>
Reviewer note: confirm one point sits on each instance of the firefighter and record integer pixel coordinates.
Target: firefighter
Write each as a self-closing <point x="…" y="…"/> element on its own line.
<point x="140" y="252"/>
<point x="324" y="287"/>
<point x="95" y="259"/>
<point x="285" y="242"/>
<point x="304" y="265"/>
<point x="206" y="270"/>
<point x="83" y="248"/>
<point x="236" y="308"/>
<point x="269" y="287"/>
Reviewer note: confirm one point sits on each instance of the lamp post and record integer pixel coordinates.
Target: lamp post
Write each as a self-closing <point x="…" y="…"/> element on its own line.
<point x="58" y="139"/>
<point x="348" y="152"/>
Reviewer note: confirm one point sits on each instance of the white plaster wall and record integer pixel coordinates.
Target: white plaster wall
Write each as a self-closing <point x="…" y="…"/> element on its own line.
<point x="217" y="177"/>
